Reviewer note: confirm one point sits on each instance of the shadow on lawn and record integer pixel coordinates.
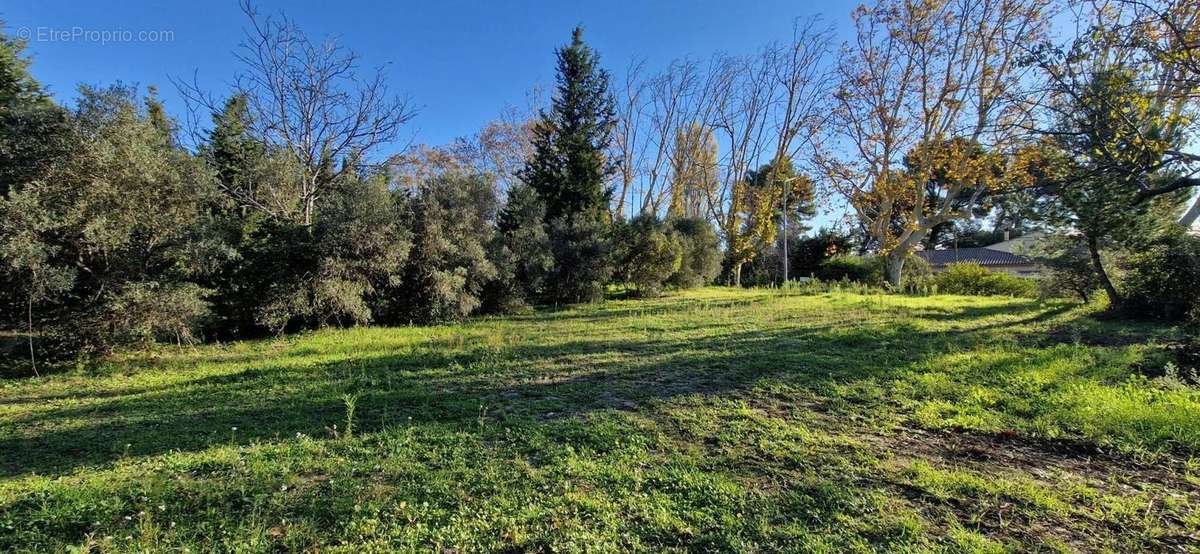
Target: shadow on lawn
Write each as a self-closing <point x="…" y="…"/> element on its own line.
<point x="523" y="384"/>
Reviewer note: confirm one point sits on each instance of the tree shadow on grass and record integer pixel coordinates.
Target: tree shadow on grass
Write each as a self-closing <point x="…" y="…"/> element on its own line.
<point x="448" y="383"/>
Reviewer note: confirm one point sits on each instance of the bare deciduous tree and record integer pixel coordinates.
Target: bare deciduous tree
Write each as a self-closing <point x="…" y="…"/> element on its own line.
<point x="307" y="101"/>
<point x="503" y="146"/>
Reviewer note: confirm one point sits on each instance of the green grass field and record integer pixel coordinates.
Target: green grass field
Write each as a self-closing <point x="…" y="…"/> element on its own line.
<point x="714" y="420"/>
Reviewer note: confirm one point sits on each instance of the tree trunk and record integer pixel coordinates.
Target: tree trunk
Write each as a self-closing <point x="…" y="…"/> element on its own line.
<point x="308" y="210"/>
<point x="737" y="275"/>
<point x="1114" y="298"/>
<point x="29" y="320"/>
<point x="1192" y="215"/>
<point x="894" y="265"/>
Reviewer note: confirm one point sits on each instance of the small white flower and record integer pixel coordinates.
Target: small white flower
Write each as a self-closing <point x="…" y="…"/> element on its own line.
<point x="283" y="487"/>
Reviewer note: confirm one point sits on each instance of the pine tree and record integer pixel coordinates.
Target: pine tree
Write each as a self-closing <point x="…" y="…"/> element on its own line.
<point x="233" y="153"/>
<point x="569" y="168"/>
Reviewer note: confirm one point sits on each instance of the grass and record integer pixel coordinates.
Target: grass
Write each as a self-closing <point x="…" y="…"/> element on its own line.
<point x="712" y="420"/>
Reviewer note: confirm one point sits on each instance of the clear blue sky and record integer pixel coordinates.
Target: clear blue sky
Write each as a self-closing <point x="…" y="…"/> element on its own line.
<point x="461" y="62"/>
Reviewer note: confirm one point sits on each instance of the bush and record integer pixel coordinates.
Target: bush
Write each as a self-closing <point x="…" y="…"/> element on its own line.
<point x="1069" y="269"/>
<point x="338" y="271"/>
<point x="583" y="260"/>
<point x="700" y="253"/>
<point x="808" y="253"/>
<point x="449" y="265"/>
<point x="859" y="269"/>
<point x="974" y="279"/>
<point x="1162" y="279"/>
<point x="100" y="244"/>
<point x="148" y="312"/>
<point x="648" y="253"/>
<point x="520" y="252"/>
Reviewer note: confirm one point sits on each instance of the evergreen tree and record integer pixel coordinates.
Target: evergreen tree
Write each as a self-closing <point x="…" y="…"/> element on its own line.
<point x="521" y="252"/>
<point x="34" y="131"/>
<point x="700" y="261"/>
<point x="648" y="253"/>
<point x="569" y="168"/>
<point x="449" y="266"/>
<point x="231" y="151"/>
<point x="1112" y="130"/>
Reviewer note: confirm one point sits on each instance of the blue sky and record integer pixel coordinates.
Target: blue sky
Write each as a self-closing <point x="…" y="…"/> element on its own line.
<point x="460" y="62"/>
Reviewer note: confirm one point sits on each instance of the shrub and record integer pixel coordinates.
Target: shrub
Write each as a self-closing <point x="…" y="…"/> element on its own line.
<point x="859" y="269"/>
<point x="107" y="229"/>
<point x="808" y="253"/>
<point x="449" y="265"/>
<point x="146" y="312"/>
<point x="974" y="279"/>
<point x="1162" y="278"/>
<point x="1069" y="269"/>
<point x="700" y="253"/>
<point x="520" y="252"/>
<point x="336" y="272"/>
<point x="583" y="260"/>
<point x="648" y="253"/>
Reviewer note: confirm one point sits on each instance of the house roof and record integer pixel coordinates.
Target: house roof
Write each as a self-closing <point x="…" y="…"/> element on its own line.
<point x="1020" y="245"/>
<point x="981" y="256"/>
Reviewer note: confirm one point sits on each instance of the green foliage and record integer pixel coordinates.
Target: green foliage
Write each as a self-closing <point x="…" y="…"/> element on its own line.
<point x="568" y="168"/>
<point x="700" y="253"/>
<point x="339" y="271"/>
<point x="583" y="259"/>
<point x="1108" y="162"/>
<point x="521" y="252"/>
<point x="859" y="269"/>
<point x="569" y="171"/>
<point x="974" y="279"/>
<point x="449" y="265"/>
<point x="1118" y="133"/>
<point x="34" y="132"/>
<point x="648" y="252"/>
<point x="1069" y="269"/>
<point x="148" y="312"/>
<point x="808" y="253"/>
<point x="1162" y="278"/>
<point x="236" y="158"/>
<point x="108" y="227"/>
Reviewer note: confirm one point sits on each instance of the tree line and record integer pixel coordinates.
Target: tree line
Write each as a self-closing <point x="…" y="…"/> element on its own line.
<point x="274" y="206"/>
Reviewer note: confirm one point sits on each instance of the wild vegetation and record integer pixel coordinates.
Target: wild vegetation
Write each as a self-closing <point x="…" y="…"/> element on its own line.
<point x="264" y="326"/>
<point x="276" y="206"/>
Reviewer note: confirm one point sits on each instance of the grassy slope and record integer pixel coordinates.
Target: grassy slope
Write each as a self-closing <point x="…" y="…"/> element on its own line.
<point x="711" y="420"/>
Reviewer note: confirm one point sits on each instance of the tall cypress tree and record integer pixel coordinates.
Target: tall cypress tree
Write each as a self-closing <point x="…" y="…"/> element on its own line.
<point x="569" y="169"/>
